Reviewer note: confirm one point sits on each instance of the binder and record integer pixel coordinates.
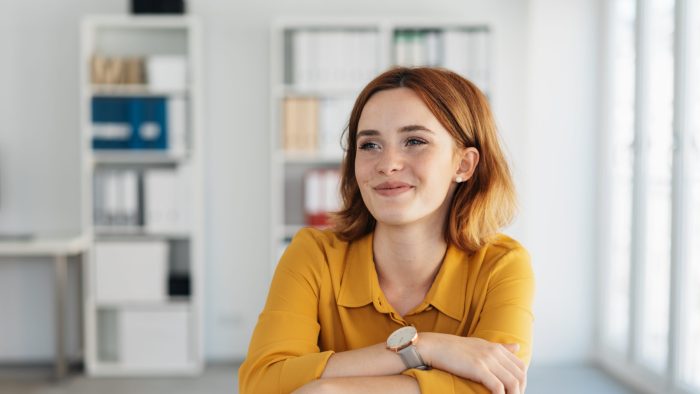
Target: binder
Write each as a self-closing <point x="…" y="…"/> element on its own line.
<point x="334" y="114"/>
<point x="112" y="122"/>
<point x="321" y="195"/>
<point x="129" y="123"/>
<point x="166" y="199"/>
<point x="116" y="194"/>
<point x="150" y="122"/>
<point x="301" y="123"/>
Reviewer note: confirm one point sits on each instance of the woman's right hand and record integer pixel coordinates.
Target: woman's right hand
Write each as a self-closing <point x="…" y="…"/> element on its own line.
<point x="492" y="364"/>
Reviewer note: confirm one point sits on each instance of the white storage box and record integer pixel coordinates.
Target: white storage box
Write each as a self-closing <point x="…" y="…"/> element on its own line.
<point x="167" y="72"/>
<point x="131" y="271"/>
<point x="155" y="338"/>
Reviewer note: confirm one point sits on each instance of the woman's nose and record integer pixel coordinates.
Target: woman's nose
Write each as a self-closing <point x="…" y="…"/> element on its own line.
<point x="390" y="161"/>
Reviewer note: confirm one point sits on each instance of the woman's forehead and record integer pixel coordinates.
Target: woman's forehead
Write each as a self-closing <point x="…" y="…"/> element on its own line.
<point x="394" y="109"/>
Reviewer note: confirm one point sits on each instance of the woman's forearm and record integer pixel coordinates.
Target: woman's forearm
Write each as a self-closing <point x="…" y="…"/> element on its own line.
<point x="362" y="385"/>
<point x="375" y="360"/>
<point x="491" y="364"/>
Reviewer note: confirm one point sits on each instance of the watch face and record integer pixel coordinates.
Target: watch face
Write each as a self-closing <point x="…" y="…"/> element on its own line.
<point x="401" y="337"/>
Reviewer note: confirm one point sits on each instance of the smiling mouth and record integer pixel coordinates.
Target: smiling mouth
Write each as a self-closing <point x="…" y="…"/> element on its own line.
<point x="393" y="190"/>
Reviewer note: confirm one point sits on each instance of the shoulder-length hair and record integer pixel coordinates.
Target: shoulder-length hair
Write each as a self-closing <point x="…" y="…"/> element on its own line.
<point x="482" y="205"/>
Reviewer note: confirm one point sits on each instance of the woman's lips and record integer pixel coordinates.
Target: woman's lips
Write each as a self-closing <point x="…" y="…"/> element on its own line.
<point x="392" y="188"/>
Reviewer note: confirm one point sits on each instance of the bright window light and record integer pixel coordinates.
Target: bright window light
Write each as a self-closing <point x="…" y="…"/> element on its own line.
<point x="616" y="329"/>
<point x="656" y="245"/>
<point x="690" y="341"/>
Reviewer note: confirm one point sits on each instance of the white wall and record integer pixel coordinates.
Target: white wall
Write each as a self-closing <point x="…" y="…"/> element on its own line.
<point x="39" y="162"/>
<point x="563" y="59"/>
<point x="548" y="130"/>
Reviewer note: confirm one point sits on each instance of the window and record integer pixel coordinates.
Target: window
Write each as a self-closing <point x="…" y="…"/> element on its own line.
<point x="621" y="163"/>
<point x="651" y="221"/>
<point x="690" y="360"/>
<point x="653" y="178"/>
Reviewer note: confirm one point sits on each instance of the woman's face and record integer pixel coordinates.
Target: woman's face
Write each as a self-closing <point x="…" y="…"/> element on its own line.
<point x="406" y="162"/>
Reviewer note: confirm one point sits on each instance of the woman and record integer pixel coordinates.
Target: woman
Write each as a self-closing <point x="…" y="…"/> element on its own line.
<point x="413" y="290"/>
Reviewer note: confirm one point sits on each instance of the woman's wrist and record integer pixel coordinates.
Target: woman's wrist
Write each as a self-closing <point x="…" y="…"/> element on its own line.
<point x="426" y="346"/>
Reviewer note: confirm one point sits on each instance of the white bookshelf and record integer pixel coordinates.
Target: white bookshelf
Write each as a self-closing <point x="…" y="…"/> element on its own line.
<point x="463" y="46"/>
<point x="161" y="335"/>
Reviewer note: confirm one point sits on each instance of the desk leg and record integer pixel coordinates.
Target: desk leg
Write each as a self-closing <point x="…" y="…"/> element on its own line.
<point x="60" y="278"/>
<point x="81" y="310"/>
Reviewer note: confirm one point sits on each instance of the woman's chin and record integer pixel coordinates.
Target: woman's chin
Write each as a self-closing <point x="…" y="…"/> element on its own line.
<point x="394" y="219"/>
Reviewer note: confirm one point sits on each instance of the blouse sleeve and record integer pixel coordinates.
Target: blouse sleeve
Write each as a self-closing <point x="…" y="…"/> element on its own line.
<point x="505" y="318"/>
<point x="283" y="354"/>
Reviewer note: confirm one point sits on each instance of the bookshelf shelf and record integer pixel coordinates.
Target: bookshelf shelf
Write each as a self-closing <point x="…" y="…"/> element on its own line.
<point x="134" y="90"/>
<point x="141" y="150"/>
<point x="130" y="233"/>
<point x="131" y="22"/>
<point x="319" y="66"/>
<point x="309" y="158"/>
<point x="138" y="157"/>
<point x="168" y="304"/>
<point x="293" y="91"/>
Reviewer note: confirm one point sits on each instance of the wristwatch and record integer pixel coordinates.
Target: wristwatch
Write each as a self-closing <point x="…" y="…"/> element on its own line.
<point x="402" y="342"/>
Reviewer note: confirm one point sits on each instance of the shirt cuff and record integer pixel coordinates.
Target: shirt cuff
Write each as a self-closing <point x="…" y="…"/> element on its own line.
<point x="297" y="371"/>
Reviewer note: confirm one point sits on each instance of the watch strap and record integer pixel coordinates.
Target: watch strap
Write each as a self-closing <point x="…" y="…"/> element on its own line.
<point x="411" y="358"/>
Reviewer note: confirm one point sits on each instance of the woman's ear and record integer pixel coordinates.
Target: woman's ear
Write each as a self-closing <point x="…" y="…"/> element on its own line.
<point x="469" y="159"/>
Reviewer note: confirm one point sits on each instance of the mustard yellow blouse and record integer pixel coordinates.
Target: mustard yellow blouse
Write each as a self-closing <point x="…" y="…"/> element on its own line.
<point x="325" y="297"/>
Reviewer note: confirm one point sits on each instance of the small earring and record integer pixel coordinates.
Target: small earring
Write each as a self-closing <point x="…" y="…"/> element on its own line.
<point x="459" y="179"/>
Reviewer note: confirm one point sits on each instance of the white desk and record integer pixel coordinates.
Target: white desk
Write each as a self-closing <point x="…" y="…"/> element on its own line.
<point x="58" y="248"/>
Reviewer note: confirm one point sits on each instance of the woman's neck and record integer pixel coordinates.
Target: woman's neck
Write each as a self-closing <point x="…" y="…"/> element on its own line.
<point x="407" y="258"/>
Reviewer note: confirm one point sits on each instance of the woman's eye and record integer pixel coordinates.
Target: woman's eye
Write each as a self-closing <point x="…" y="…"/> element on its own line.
<point x="368" y="146"/>
<point x="414" y="141"/>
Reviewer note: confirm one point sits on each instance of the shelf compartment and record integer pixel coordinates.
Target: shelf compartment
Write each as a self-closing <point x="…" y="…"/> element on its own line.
<point x="145" y="338"/>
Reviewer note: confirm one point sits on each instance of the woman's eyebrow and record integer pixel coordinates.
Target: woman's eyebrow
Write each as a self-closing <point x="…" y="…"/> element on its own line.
<point x="367" y="132"/>
<point x="404" y="129"/>
<point x="414" y="127"/>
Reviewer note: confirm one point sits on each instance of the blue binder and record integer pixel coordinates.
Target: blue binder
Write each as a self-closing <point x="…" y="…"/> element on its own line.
<point x="150" y="123"/>
<point x="129" y="123"/>
<point x="111" y="118"/>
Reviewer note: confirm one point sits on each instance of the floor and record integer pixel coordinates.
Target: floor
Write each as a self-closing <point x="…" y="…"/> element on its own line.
<point x="221" y="379"/>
